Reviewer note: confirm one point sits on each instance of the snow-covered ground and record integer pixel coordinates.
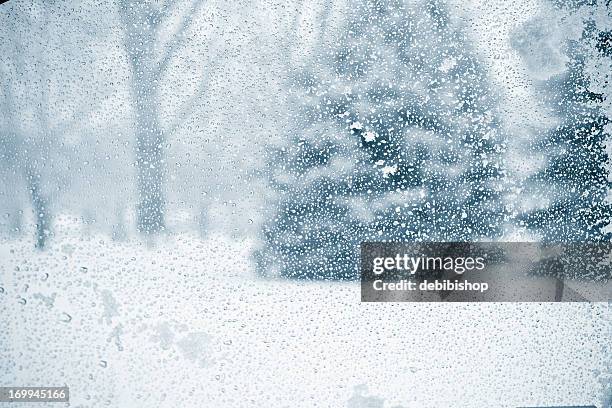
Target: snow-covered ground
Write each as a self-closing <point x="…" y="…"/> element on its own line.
<point x="185" y="323"/>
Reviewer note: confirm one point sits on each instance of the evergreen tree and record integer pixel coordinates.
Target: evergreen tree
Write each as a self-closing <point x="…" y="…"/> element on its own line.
<point x="394" y="139"/>
<point x="574" y="183"/>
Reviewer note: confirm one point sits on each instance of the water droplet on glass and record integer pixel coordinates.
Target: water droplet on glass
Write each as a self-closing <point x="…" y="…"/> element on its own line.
<point x="66" y="318"/>
<point x="103" y="363"/>
<point x="83" y="269"/>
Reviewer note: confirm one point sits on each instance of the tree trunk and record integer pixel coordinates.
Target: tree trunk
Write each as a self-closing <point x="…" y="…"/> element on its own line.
<point x="149" y="159"/>
<point x="40" y="207"/>
<point x="140" y="34"/>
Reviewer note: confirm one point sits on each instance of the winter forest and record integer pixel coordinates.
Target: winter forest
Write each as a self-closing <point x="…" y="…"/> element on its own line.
<point x="185" y="185"/>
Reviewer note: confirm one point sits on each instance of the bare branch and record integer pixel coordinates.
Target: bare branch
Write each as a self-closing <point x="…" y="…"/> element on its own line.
<point x="167" y="11"/>
<point x="179" y="37"/>
<point x="189" y="106"/>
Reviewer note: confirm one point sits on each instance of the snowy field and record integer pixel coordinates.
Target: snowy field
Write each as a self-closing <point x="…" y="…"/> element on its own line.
<point x="185" y="323"/>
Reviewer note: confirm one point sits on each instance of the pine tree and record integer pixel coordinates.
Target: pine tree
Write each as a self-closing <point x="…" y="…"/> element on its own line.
<point x="395" y="138"/>
<point x="569" y="194"/>
<point x="573" y="185"/>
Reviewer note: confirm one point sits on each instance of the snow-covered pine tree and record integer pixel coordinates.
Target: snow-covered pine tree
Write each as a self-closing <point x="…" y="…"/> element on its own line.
<point x="565" y="50"/>
<point x="574" y="183"/>
<point x="394" y="138"/>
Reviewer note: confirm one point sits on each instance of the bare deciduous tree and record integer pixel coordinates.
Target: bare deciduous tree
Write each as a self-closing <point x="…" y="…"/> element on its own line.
<point x="149" y="59"/>
<point x="25" y="154"/>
